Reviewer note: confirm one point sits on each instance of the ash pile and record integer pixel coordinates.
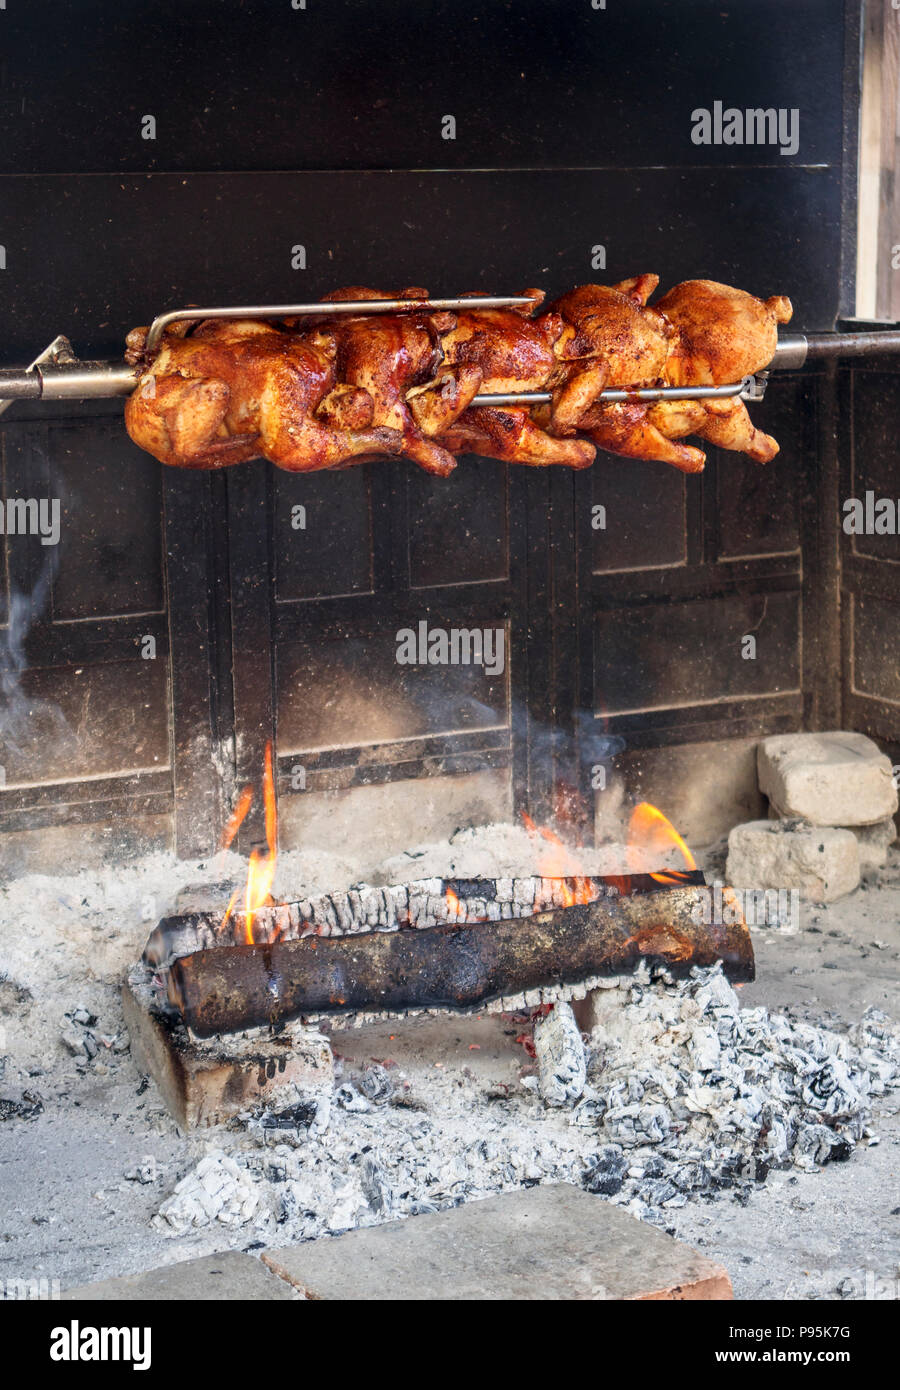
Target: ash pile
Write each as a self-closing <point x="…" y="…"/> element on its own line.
<point x="673" y="1094"/>
<point x="697" y="1095"/>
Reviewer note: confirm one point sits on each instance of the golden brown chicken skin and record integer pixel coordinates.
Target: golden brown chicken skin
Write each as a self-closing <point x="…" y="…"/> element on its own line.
<point x="235" y="390"/>
<point x="721" y="335"/>
<point x="700" y="334"/>
<point x="329" y="391"/>
<point x="386" y="356"/>
<point x="509" y="352"/>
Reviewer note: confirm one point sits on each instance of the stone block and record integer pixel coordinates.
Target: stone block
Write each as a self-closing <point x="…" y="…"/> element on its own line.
<point x="874" y="841"/>
<point x="822" y="862"/>
<point x="834" y="779"/>
<point x="213" y="1277"/>
<point x="205" y="1081"/>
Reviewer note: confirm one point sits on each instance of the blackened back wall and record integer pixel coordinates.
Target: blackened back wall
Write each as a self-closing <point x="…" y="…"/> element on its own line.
<point x="321" y="127"/>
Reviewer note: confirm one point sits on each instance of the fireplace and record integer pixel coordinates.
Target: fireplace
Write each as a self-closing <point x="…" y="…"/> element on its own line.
<point x="266" y="859"/>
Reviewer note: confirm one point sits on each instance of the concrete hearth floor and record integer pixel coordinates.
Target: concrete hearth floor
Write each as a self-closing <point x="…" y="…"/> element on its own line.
<point x="70" y="1212"/>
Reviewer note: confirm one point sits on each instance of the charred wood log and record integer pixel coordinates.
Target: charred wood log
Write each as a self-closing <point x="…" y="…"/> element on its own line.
<point x="458" y="967"/>
<point x="427" y="902"/>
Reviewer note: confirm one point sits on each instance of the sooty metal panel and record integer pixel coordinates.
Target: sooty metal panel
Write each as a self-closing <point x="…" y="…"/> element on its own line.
<point x="322" y="534"/>
<point x="643" y="521"/>
<point x="759" y="505"/>
<point x="271" y="85"/>
<point x="875" y="469"/>
<point x="66" y="723"/>
<point x="351" y="691"/>
<point x="689" y="653"/>
<point x="876" y="648"/>
<point x="498" y="232"/>
<point x="110" y="553"/>
<point x="85" y="655"/>
<point x="870" y="559"/>
<point x="459" y="527"/>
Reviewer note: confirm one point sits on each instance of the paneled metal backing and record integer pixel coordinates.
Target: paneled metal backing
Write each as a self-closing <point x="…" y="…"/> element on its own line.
<point x="322" y="583"/>
<point x="870" y="562"/>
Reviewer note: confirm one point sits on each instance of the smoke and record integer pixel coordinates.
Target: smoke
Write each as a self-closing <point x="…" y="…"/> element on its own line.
<point x="29" y="724"/>
<point x="584" y="749"/>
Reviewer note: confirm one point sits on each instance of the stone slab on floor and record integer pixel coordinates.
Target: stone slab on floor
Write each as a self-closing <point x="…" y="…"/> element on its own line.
<point x="209" y="1279"/>
<point x="548" y="1242"/>
<point x="833" y="778"/>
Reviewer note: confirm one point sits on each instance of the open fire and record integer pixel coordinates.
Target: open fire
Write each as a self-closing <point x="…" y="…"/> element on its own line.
<point x="457" y="946"/>
<point x="261" y="868"/>
<point x="651" y="842"/>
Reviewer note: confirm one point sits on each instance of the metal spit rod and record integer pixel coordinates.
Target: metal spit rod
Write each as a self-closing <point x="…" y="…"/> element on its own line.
<point x="331" y="307"/>
<point x="56" y="374"/>
<point x="80" y="380"/>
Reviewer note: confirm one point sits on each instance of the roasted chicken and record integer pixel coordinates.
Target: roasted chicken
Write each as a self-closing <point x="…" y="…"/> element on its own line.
<point x="510" y="352"/>
<point x="234" y="390"/>
<point x="700" y="334"/>
<point x="326" y="392"/>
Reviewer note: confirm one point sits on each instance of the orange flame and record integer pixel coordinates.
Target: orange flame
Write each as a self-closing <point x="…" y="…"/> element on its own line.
<point x="651" y="836"/>
<point x="261" y="868"/>
<point x="456" y="911"/>
<point x="559" y="862"/>
<point x="236" y="819"/>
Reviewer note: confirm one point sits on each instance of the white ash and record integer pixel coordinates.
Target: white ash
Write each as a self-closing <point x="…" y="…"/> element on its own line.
<point x="68" y="940"/>
<point x="560" y="1055"/>
<point x="218" y="1189"/>
<point x="859" y="1283"/>
<point x="145" y="1172"/>
<point x="506" y="1004"/>
<point x="688" y="1098"/>
<point x="698" y="1095"/>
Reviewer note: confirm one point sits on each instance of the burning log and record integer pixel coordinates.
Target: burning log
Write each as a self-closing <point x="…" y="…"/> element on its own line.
<point x="427" y="902"/>
<point x="461" y="966"/>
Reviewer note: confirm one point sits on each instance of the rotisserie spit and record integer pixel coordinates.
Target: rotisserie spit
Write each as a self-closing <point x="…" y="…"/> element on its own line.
<point x="231" y="380"/>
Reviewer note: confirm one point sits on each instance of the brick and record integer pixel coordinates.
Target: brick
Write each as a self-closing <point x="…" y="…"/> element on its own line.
<point x="834" y="779"/>
<point x="548" y="1242"/>
<point x="204" y="1082"/>
<point x="822" y="862"/>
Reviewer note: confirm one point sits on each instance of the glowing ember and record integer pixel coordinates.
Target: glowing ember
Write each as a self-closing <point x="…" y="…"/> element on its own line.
<point x="458" y="911"/>
<point x="662" y="941"/>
